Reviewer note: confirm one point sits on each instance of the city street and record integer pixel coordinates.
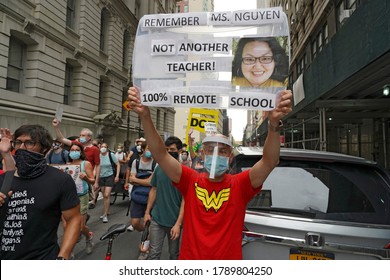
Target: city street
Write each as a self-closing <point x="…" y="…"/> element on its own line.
<point x="125" y="246"/>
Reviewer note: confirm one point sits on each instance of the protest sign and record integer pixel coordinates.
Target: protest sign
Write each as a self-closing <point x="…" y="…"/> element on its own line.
<point x="74" y="171"/>
<point x="213" y="60"/>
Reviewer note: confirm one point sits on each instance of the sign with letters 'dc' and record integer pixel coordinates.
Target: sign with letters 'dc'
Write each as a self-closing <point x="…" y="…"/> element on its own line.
<point x="235" y="59"/>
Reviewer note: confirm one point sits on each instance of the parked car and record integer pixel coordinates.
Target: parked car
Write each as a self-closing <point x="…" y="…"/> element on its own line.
<point x="317" y="205"/>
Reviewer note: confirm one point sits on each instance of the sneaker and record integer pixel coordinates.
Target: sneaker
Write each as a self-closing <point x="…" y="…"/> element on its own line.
<point x="101" y="217"/>
<point x="90" y="236"/>
<point x="130" y="228"/>
<point x="143" y="256"/>
<point x="88" y="243"/>
<point x="105" y="219"/>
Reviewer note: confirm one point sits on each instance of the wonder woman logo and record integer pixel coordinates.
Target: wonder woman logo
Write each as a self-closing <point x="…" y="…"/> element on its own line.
<point x="214" y="200"/>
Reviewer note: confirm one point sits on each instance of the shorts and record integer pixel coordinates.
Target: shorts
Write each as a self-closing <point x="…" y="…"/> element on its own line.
<point x="106" y="181"/>
<point x="137" y="210"/>
<point x="84" y="199"/>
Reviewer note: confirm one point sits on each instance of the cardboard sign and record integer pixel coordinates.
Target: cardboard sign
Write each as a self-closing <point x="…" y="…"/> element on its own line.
<point x="59" y="112"/>
<point x="214" y="60"/>
<point x="74" y="171"/>
<point x="198" y="118"/>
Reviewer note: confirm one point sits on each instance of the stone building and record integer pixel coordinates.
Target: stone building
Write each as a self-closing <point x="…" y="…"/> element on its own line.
<point x="76" y="56"/>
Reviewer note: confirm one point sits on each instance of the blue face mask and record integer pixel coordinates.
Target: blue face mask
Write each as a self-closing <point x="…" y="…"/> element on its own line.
<point x="74" y="155"/>
<point x="83" y="140"/>
<point x="148" y="154"/>
<point x="221" y="166"/>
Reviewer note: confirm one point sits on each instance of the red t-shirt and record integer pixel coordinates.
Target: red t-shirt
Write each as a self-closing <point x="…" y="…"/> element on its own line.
<point x="213" y="215"/>
<point x="93" y="155"/>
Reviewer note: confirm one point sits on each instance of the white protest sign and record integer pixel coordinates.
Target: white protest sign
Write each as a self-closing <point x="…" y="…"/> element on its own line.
<point x="210" y="128"/>
<point x="59" y="112"/>
<point x="74" y="171"/>
<point x="237" y="59"/>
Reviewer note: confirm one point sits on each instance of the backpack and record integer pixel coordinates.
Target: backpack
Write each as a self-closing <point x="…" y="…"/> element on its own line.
<point x="62" y="156"/>
<point x="140" y="194"/>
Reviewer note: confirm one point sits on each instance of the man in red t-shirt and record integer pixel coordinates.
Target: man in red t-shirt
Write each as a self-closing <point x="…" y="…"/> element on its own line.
<point x="91" y="152"/>
<point x="215" y="202"/>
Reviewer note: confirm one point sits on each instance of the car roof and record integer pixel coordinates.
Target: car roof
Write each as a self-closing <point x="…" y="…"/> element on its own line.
<point x="288" y="153"/>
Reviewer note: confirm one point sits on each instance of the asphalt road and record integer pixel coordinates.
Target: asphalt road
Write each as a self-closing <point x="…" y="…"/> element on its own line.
<point x="125" y="246"/>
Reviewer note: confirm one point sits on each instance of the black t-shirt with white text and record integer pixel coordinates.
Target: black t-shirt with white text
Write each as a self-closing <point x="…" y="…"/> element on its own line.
<point x="34" y="214"/>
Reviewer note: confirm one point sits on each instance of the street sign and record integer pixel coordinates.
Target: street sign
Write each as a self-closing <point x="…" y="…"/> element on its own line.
<point x="126" y="105"/>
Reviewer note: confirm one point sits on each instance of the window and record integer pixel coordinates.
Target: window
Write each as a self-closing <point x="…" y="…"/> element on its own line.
<point x="325" y="33"/>
<point x="70" y="13"/>
<point x="16" y="61"/>
<point x="351" y="4"/>
<point x="320" y="40"/>
<point x="301" y="64"/>
<point x="314" y="49"/>
<point x="100" y="100"/>
<point x="345" y="10"/>
<point x="137" y="8"/>
<point x="158" y="120"/>
<point x="126" y="49"/>
<point x="165" y="120"/>
<point x="68" y="84"/>
<point x="104" y="30"/>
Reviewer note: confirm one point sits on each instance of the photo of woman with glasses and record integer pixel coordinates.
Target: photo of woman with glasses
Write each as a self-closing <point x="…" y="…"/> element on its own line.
<point x="260" y="62"/>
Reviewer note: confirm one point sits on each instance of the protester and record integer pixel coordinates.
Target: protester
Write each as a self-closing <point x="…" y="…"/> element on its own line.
<point x="57" y="155"/>
<point x="215" y="202"/>
<point x="91" y="152"/>
<point x="38" y="196"/>
<point x="165" y="209"/>
<point x="109" y="175"/>
<point x="8" y="162"/>
<point x="135" y="151"/>
<point x="140" y="176"/>
<point x="260" y="62"/>
<point x="185" y="158"/>
<point x="122" y="158"/>
<point x="77" y="156"/>
<point x="195" y="153"/>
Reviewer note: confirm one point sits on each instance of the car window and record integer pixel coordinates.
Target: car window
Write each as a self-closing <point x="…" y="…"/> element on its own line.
<point x="330" y="191"/>
<point x="306" y="192"/>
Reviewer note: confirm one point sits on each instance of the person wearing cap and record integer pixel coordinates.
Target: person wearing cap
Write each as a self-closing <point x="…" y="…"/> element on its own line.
<point x="215" y="202"/>
<point x="135" y="151"/>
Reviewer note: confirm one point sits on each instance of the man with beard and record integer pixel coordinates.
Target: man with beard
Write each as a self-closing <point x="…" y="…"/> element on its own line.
<point x="39" y="194"/>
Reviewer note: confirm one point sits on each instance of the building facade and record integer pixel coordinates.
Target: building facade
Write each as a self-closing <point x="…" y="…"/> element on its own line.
<point x="74" y="56"/>
<point x="339" y="72"/>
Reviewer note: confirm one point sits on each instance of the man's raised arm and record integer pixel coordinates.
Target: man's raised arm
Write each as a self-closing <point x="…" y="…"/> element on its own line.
<point x="271" y="150"/>
<point x="59" y="136"/>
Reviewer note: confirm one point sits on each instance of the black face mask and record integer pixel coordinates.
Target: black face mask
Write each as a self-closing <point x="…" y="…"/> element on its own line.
<point x="30" y="164"/>
<point x="174" y="154"/>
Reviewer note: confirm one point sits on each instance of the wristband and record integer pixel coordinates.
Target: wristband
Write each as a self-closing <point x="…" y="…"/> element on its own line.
<point x="275" y="128"/>
<point x="60" y="258"/>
